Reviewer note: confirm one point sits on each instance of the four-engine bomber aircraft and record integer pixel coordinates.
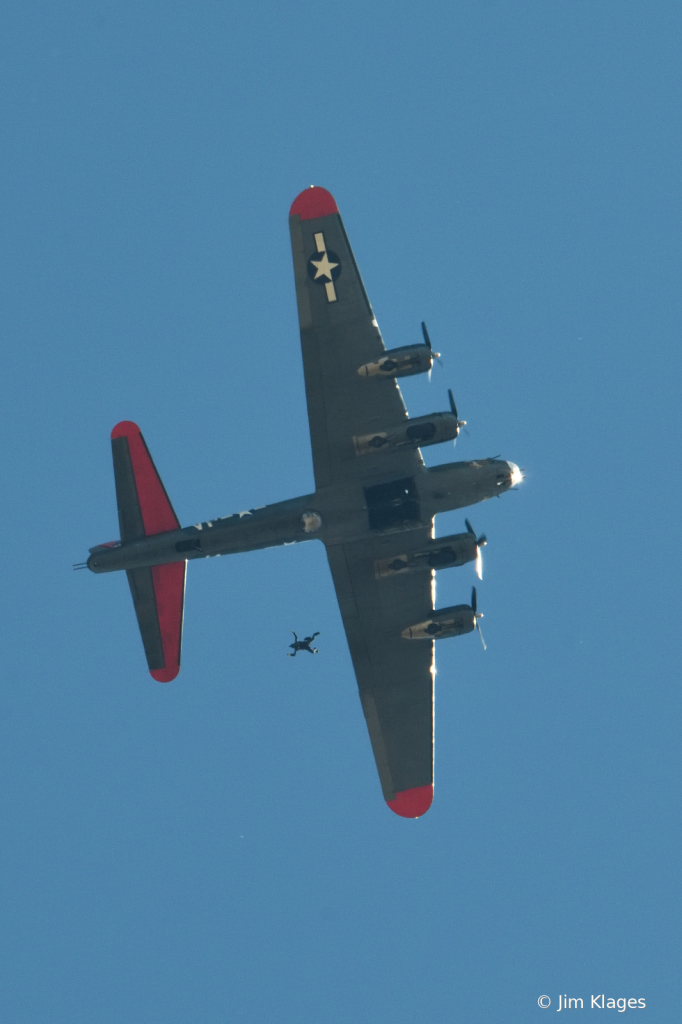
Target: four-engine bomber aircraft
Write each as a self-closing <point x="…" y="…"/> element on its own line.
<point x="373" y="508"/>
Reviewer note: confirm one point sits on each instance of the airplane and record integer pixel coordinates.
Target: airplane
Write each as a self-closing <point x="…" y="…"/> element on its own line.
<point x="373" y="508"/>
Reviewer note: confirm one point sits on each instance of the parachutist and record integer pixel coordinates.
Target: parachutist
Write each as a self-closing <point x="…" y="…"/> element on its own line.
<point x="303" y="645"/>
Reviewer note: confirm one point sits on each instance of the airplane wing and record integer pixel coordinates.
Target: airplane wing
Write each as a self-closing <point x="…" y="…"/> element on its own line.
<point x="339" y="333"/>
<point x="394" y="676"/>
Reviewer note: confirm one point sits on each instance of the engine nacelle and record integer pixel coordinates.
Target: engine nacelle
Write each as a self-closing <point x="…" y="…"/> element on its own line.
<point x="446" y="622"/>
<point x="442" y="553"/>
<point x="415" y="433"/>
<point x="400" y="362"/>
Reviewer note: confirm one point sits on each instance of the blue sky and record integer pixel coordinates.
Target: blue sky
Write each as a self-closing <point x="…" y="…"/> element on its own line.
<point x="218" y="849"/>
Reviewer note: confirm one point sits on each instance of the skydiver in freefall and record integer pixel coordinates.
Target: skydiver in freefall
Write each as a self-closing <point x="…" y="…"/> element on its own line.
<point x="303" y="645"/>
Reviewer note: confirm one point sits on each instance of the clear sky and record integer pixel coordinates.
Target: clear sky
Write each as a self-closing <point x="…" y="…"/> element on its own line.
<point x="217" y="849"/>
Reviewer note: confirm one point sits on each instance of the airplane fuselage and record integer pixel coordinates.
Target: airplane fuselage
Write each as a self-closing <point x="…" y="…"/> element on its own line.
<point x="338" y="514"/>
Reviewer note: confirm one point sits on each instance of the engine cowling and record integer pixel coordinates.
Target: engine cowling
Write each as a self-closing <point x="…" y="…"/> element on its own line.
<point x="414" y="433"/>
<point x="443" y="553"/>
<point x="400" y="362"/>
<point x="446" y="622"/>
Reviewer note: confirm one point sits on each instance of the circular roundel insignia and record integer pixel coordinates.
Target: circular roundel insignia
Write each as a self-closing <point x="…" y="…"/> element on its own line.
<point x="324" y="267"/>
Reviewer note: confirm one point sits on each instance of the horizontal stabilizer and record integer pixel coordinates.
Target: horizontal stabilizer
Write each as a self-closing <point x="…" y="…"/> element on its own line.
<point x="143" y="505"/>
<point x="159" y="597"/>
<point x="143" y="510"/>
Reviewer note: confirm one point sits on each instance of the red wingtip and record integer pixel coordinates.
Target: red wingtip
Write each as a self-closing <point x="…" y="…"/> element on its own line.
<point x="412" y="803"/>
<point x="313" y="202"/>
<point x="164" y="675"/>
<point x="125" y="428"/>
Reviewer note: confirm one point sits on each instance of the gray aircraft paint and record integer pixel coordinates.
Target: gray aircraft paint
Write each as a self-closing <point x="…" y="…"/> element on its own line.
<point x="368" y="507"/>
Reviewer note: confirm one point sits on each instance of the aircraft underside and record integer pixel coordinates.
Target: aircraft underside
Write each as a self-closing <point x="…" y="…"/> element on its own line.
<point x="373" y="508"/>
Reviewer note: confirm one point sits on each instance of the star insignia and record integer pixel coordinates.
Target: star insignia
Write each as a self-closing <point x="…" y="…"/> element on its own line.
<point x="324" y="267"/>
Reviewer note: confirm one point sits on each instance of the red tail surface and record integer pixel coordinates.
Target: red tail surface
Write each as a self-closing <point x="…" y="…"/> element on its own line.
<point x="155" y="507"/>
<point x="145" y="509"/>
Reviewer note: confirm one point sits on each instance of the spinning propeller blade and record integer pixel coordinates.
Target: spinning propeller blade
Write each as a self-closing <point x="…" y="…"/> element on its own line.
<point x="453" y="410"/>
<point x="427" y="341"/>
<point x="477" y="615"/>
<point x="480" y="543"/>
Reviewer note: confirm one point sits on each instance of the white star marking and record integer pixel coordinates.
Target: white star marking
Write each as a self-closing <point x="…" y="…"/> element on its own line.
<point x="242" y="514"/>
<point x="324" y="267"/>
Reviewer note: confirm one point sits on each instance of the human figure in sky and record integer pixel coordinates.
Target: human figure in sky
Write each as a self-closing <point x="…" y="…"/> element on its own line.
<point x="303" y="645"/>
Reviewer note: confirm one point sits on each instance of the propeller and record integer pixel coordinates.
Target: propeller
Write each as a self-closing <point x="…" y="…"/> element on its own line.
<point x="427" y="341"/>
<point x="453" y="410"/>
<point x="477" y="615"/>
<point x="480" y="543"/>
